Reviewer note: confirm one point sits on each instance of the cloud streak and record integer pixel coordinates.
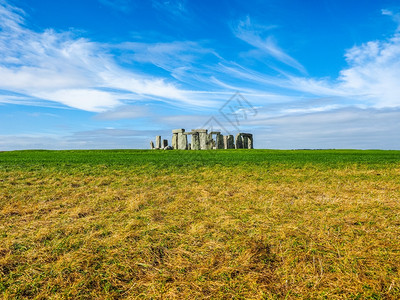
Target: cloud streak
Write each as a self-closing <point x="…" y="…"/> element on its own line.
<point x="73" y="71"/>
<point x="175" y="8"/>
<point x="395" y="16"/>
<point x="252" y="34"/>
<point x="82" y="74"/>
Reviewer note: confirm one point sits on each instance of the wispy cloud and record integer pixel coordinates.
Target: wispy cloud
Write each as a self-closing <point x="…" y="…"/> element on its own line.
<point x="371" y="78"/>
<point x="395" y="16"/>
<point x="59" y="67"/>
<point x="175" y="8"/>
<point x="259" y="37"/>
<point x="125" y="112"/>
<point x="38" y="67"/>
<point x="11" y="17"/>
<point x="168" y="56"/>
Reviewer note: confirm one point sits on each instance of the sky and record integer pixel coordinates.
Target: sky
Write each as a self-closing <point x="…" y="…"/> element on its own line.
<point x="113" y="74"/>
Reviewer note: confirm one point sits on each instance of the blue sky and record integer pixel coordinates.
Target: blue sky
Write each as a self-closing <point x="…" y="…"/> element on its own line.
<point x="115" y="73"/>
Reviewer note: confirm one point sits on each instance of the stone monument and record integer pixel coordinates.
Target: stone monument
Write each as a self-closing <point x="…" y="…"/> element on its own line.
<point x="202" y="140"/>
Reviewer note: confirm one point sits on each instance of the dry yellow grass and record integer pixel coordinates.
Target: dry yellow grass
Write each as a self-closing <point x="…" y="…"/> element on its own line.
<point x="214" y="232"/>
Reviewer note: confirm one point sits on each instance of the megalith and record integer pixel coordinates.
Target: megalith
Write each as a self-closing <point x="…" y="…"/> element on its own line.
<point x="203" y="138"/>
<point x="245" y="141"/>
<point x="158" y="142"/>
<point x="195" y="145"/>
<point x="239" y="141"/>
<point x="225" y="142"/>
<point x="251" y="143"/>
<point x="151" y="145"/>
<point x="219" y="141"/>
<point x="165" y="143"/>
<point x="175" y="140"/>
<point x="213" y="144"/>
<point x="181" y="139"/>
<point x="230" y="142"/>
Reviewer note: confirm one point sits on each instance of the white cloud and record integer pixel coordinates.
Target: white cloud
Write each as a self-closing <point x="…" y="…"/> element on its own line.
<point x="309" y="110"/>
<point x="373" y="72"/>
<point x="125" y="112"/>
<point x="11" y="17"/>
<point x="395" y="16"/>
<point x="371" y="78"/>
<point x="252" y="34"/>
<point x="167" y="56"/>
<point x="82" y="74"/>
<point x="176" y="8"/>
<point x="82" y="99"/>
<point x="386" y="12"/>
<point x="69" y="70"/>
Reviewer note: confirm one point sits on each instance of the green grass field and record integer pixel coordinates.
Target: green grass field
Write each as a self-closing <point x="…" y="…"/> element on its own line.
<point x="248" y="224"/>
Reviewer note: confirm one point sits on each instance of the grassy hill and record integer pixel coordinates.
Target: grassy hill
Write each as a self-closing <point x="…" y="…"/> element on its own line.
<point x="206" y="224"/>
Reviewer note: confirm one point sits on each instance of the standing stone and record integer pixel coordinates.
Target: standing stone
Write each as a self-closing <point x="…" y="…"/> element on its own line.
<point x="225" y="142"/>
<point x="210" y="142"/>
<point x="175" y="140"/>
<point x="151" y="145"/>
<point x="245" y="141"/>
<point x="239" y="141"/>
<point x="230" y="142"/>
<point x="213" y="144"/>
<point x="158" y="142"/>
<point x="165" y="143"/>
<point x="251" y="144"/>
<point x="219" y="141"/>
<point x="195" y="141"/>
<point x="203" y="137"/>
<point x="189" y="146"/>
<point x="182" y="141"/>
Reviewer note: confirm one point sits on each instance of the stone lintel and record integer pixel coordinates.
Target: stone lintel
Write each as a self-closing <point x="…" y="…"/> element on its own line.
<point x="246" y="134"/>
<point x="200" y="130"/>
<point x="178" y="130"/>
<point x="215" y="132"/>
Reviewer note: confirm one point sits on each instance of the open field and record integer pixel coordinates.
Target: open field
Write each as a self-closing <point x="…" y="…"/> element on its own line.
<point x="200" y="224"/>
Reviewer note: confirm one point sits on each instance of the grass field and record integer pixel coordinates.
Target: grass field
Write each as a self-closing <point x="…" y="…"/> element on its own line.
<point x="200" y="224"/>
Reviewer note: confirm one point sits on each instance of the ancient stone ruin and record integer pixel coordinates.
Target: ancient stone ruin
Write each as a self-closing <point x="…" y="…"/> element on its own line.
<point x="201" y="139"/>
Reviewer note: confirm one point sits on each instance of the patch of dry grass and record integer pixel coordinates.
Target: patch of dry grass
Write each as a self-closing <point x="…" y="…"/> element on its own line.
<point x="220" y="231"/>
